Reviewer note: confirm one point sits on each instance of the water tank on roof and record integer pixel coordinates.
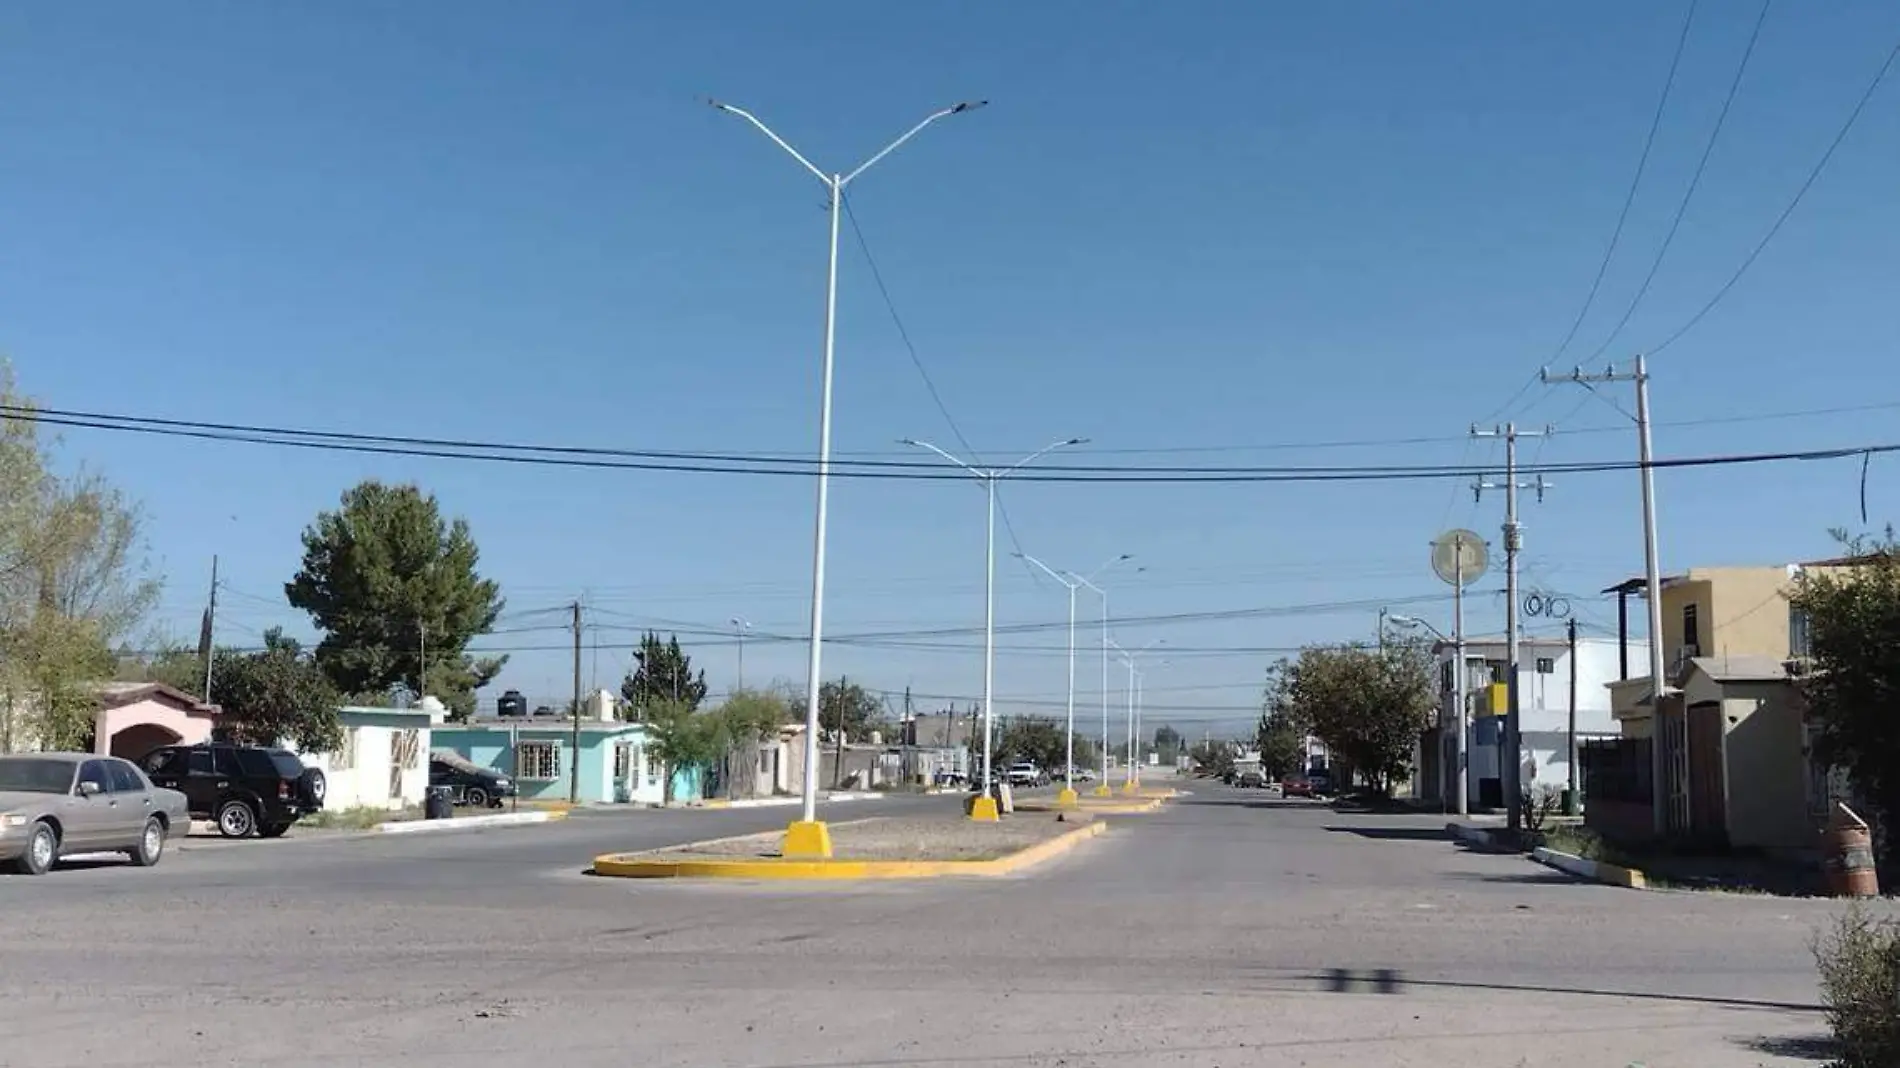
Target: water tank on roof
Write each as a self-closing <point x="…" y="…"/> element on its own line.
<point x="511" y="704"/>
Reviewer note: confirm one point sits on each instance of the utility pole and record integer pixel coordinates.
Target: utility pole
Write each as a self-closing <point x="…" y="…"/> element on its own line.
<point x="211" y="619"/>
<point x="574" y="755"/>
<point x="837" y="760"/>
<point x="1570" y="798"/>
<point x="1461" y="757"/>
<point x="1511" y="769"/>
<point x="422" y="660"/>
<point x="1652" y="576"/>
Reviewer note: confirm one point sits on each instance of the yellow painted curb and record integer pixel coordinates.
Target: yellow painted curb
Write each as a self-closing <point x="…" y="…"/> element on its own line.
<point x="548" y="806"/>
<point x="716" y="803"/>
<point x="630" y="866"/>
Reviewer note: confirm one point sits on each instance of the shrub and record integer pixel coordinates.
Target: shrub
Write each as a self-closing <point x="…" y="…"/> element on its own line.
<point x="1859" y="962"/>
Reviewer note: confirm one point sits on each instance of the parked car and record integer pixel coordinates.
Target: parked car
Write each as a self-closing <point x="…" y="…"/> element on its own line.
<point x="1026" y="774"/>
<point x="1252" y="778"/>
<point x="467" y="782"/>
<point x="245" y="789"/>
<point x="59" y="803"/>
<point x="1296" y="786"/>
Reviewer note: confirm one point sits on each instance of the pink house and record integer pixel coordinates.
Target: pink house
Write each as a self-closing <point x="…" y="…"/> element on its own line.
<point x="135" y="718"/>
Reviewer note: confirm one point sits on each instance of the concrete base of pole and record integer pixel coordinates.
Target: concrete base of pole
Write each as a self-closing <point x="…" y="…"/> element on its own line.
<point x="1131" y="788"/>
<point x="1066" y="798"/>
<point x="807" y="840"/>
<point x="1103" y="790"/>
<point x="983" y="809"/>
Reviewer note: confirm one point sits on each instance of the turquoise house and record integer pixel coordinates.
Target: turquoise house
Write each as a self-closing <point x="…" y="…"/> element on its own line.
<point x="539" y="754"/>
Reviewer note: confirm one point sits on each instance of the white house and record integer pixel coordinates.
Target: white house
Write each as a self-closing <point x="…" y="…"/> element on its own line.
<point x="1545" y="676"/>
<point x="384" y="759"/>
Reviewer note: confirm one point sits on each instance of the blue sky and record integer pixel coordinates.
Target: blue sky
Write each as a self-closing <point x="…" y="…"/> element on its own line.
<point x="1203" y="233"/>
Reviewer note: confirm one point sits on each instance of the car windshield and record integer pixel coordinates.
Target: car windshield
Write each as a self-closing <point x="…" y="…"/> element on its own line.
<point x="35" y="775"/>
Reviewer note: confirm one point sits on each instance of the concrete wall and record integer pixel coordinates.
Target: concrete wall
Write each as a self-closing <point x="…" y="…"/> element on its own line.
<point x="1767" y="768"/>
<point x="381" y="763"/>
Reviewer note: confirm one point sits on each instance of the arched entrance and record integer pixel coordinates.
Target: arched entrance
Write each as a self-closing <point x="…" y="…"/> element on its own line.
<point x="135" y="741"/>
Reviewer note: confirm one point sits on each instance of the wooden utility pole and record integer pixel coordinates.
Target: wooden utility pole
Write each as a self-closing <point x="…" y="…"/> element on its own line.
<point x="1571" y="800"/>
<point x="422" y="660"/>
<point x="574" y="757"/>
<point x="837" y="760"/>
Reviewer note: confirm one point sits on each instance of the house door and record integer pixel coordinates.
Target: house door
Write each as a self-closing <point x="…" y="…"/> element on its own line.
<point x="405" y="747"/>
<point x="1708" y="800"/>
<point x="1675" y="743"/>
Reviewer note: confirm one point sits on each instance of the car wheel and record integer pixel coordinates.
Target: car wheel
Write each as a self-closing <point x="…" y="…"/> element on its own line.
<point x="273" y="830"/>
<point x="313" y="786"/>
<point x="476" y="797"/>
<point x="236" y="819"/>
<point x="42" y="849"/>
<point x="151" y="844"/>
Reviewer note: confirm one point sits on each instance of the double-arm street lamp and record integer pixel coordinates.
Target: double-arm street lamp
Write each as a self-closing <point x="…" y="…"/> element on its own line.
<point x="808" y="837"/>
<point x="984" y="808"/>
<point x="1073" y="582"/>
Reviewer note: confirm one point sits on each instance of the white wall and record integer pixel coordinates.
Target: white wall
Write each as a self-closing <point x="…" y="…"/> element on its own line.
<point x="359" y="775"/>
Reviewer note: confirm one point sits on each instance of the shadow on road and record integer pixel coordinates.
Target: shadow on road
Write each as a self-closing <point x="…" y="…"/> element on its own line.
<point x="1393" y="981"/>
<point x="1395" y="834"/>
<point x="1797" y="1047"/>
<point x="1545" y="877"/>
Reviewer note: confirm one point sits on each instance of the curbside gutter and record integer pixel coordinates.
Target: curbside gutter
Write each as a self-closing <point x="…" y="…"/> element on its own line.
<point x="632" y="866"/>
<point x="1594" y="870"/>
<point x="1464" y="832"/>
<point x="772" y="802"/>
<point x="469" y="823"/>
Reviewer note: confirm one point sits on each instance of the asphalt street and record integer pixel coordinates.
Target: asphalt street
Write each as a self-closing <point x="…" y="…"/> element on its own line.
<point x="1228" y="928"/>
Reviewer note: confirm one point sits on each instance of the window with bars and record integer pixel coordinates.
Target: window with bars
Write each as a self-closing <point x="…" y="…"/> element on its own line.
<point x="623" y="761"/>
<point x="344" y="759"/>
<point x="538" y="760"/>
<point x="1546" y="665"/>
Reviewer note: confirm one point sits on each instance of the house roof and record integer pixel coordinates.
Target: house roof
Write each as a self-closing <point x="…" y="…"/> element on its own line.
<point x="120" y="694"/>
<point x="1740" y="667"/>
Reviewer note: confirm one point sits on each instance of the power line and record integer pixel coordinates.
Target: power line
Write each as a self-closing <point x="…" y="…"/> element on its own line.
<point x="741" y="465"/>
<point x="1807" y="184"/>
<point x="1636" y="181"/>
<point x="1695" y="180"/>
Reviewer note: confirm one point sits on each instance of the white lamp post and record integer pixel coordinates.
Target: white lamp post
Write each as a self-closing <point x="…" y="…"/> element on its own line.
<point x="984" y="807"/>
<point x="1130" y="781"/>
<point x="808" y="837"/>
<point x="1066" y="798"/>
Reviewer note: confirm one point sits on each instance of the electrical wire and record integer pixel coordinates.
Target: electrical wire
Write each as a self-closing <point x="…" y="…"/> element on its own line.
<point x="1636" y="181"/>
<point x="1807" y="184"/>
<point x="740" y="465"/>
<point x="1695" y="180"/>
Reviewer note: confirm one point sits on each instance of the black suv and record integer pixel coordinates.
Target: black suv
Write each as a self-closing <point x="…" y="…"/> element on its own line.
<point x="245" y="789"/>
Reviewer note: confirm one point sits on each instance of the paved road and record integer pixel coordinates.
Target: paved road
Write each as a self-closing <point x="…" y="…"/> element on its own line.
<point x="1204" y="934"/>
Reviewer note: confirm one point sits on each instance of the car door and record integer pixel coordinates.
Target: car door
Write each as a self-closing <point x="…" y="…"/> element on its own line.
<point x="88" y="819"/>
<point x="132" y="806"/>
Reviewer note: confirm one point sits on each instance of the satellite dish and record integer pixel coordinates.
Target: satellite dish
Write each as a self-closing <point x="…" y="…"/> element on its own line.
<point x="1458" y="553"/>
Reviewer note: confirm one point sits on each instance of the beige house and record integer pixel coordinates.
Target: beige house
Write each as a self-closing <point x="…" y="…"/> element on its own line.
<point x="1737" y="766"/>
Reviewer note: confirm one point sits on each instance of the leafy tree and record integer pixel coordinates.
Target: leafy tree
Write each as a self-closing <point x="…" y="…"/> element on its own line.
<point x="279" y="694"/>
<point x="848" y="706"/>
<point x="72" y="582"/>
<point x="662" y="672"/>
<point x="385" y="576"/>
<point x="1281" y="734"/>
<point x="678" y="736"/>
<point x="1854" y="642"/>
<point x="747" y="718"/>
<point x="1032" y="738"/>
<point x="1368" y="706"/>
<point x="1215" y="758"/>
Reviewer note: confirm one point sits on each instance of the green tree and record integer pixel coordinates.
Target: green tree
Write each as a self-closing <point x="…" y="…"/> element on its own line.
<point x="1281" y="735"/>
<point x="1853" y="626"/>
<point x="662" y="672"/>
<point x="279" y="694"/>
<point x="846" y="705"/>
<point x="1215" y="758"/>
<point x="385" y="578"/>
<point x="1369" y="707"/>
<point x="679" y="737"/>
<point x="1168" y="744"/>
<point x="73" y="581"/>
<point x="1032" y="738"/>
<point x="747" y="718"/>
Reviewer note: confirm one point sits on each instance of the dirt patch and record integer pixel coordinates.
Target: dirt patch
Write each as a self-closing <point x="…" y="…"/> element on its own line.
<point x="892" y="838"/>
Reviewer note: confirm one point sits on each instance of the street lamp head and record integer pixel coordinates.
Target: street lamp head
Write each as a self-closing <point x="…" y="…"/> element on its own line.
<point x="1404" y="621"/>
<point x="969" y="105"/>
<point x="1076" y="441"/>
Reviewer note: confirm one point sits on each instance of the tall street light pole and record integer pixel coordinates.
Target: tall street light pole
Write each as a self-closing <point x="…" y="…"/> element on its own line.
<point x="808" y="837"/>
<point x="984" y="807"/>
<point x="1129" y="779"/>
<point x="1102" y="789"/>
<point x="1067" y="798"/>
<point x="739" y="627"/>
